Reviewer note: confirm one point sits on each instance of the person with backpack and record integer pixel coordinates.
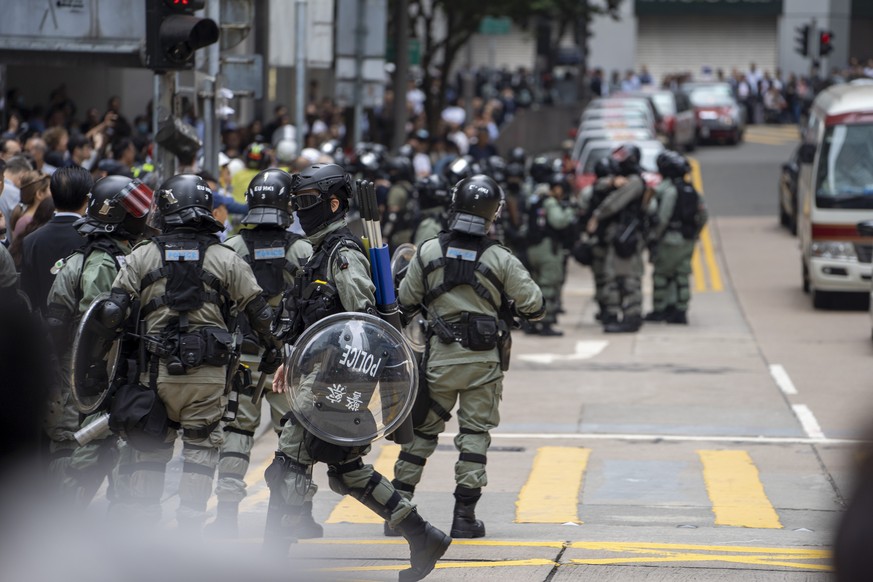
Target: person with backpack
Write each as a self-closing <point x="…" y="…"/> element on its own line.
<point x="115" y="219"/>
<point x="274" y="254"/>
<point x="620" y="220"/>
<point x="681" y="215"/>
<point x="550" y="223"/>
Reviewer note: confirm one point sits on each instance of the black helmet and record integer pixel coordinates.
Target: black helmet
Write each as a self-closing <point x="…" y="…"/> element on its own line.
<point x="406" y="151"/>
<point x="495" y="167"/>
<point x="399" y="169"/>
<point x="269" y="198"/>
<point x="628" y="156"/>
<point x="606" y="166"/>
<point x="432" y="191"/>
<point x="518" y="155"/>
<point x="328" y="179"/>
<point x="560" y="179"/>
<point x="257" y="156"/>
<point x="541" y="169"/>
<point x="186" y="200"/>
<point x="672" y="164"/>
<point x="457" y="170"/>
<point x="118" y="206"/>
<point x="476" y="202"/>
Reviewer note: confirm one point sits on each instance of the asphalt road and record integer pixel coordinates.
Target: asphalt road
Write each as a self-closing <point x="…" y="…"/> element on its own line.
<point x="716" y="451"/>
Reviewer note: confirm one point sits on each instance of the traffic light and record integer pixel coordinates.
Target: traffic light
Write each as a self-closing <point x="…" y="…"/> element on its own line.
<point x="802" y="40"/>
<point x="173" y="33"/>
<point x="825" y="40"/>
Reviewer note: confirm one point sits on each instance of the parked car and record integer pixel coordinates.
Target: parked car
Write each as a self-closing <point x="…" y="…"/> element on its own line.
<point x="618" y="117"/>
<point x="624" y="101"/>
<point x="677" y="121"/>
<point x="623" y="134"/>
<point x="720" y="117"/>
<point x="788" y="192"/>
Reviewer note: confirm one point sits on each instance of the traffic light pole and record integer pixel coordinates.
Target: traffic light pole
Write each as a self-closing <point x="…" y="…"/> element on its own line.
<point x="300" y="73"/>
<point x="162" y="112"/>
<point x="211" y="139"/>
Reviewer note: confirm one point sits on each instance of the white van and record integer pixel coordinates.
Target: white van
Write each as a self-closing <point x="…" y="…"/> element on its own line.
<point x="835" y="193"/>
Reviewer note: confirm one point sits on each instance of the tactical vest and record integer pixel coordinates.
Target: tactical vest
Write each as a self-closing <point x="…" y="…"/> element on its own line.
<point x="686" y="212"/>
<point x="182" y="256"/>
<point x="316" y="293"/>
<point x="267" y="257"/>
<point x="59" y="312"/>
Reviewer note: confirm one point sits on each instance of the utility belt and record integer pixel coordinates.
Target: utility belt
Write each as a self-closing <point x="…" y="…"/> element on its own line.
<point x="211" y="346"/>
<point x="475" y="332"/>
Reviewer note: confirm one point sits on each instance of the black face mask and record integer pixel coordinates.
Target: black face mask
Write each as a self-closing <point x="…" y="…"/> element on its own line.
<point x="312" y="219"/>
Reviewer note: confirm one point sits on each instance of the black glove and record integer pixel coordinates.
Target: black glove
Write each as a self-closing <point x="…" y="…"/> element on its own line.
<point x="270" y="361"/>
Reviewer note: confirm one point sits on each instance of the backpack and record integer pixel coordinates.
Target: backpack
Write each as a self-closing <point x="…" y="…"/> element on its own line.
<point x="690" y="214"/>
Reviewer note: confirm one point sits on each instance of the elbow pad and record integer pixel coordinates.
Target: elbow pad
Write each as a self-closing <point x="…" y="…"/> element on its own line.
<point x="260" y="316"/>
<point x="536" y="315"/>
<point x="113" y="312"/>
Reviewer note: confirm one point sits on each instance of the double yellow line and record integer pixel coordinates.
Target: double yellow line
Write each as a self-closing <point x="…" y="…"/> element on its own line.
<point x="704" y="247"/>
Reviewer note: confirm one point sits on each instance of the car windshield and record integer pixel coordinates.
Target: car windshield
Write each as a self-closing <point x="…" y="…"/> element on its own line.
<point x="709" y="95"/>
<point x="844" y="177"/>
<point x="664" y="103"/>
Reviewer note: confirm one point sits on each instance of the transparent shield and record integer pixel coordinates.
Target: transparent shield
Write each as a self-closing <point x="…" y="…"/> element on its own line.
<point x="400" y="260"/>
<point x="351" y="379"/>
<point x="94" y="363"/>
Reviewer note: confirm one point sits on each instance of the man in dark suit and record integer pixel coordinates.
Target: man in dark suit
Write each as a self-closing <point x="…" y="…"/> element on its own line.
<point x="57" y="239"/>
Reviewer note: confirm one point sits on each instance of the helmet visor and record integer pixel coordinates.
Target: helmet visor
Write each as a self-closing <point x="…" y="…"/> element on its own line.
<point x="136" y="198"/>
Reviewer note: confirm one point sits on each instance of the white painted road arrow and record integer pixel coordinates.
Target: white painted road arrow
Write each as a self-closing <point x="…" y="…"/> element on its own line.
<point x="584" y="351"/>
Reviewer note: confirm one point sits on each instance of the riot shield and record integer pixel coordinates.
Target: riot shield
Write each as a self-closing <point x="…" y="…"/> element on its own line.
<point x="400" y="261"/>
<point x="351" y="379"/>
<point x="96" y="358"/>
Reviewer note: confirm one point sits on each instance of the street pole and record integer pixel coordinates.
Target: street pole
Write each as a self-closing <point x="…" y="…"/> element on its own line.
<point x="469" y="84"/>
<point x="300" y="72"/>
<point x="210" y="115"/>
<point x="360" y="40"/>
<point x="162" y="112"/>
<point x="401" y="71"/>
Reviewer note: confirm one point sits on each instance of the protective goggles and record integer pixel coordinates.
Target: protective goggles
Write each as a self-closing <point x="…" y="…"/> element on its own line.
<point x="305" y="200"/>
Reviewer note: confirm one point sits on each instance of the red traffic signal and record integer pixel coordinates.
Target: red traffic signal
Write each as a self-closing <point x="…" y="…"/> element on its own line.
<point x="825" y="40"/>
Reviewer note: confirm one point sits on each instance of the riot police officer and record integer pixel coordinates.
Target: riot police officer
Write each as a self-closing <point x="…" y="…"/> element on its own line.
<point x="274" y="255"/>
<point x="590" y="198"/>
<point x="517" y="192"/>
<point x="187" y="286"/>
<point x="620" y="216"/>
<point x="336" y="279"/>
<point x="115" y="218"/>
<point x="681" y="216"/>
<point x="400" y="206"/>
<point x="433" y="200"/>
<point x="464" y="282"/>
<point x="549" y="222"/>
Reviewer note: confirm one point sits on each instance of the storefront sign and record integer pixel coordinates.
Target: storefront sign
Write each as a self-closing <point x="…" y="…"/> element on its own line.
<point x="709" y="7"/>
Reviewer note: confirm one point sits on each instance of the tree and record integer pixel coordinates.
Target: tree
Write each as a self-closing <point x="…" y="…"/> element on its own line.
<point x="445" y="26"/>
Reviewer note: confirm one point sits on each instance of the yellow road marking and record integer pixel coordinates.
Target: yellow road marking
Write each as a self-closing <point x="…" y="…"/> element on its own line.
<point x="642" y="553"/>
<point x="715" y="281"/>
<point x="735" y="490"/>
<point x="774" y="141"/>
<point x="350" y="510"/>
<point x="551" y="494"/>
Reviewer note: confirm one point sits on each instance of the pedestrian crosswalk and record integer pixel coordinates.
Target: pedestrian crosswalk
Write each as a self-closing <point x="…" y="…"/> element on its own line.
<point x="549" y="484"/>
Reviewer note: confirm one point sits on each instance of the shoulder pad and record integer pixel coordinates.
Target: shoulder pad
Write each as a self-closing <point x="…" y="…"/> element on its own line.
<point x="141" y="243"/>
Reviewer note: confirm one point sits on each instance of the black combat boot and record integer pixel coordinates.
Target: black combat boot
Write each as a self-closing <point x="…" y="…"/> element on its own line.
<point x="547" y="330"/>
<point x="307" y="528"/>
<point x="627" y="325"/>
<point x="464" y="522"/>
<point x="656" y="315"/>
<point x="678" y="317"/>
<point x="389" y="531"/>
<point x="226" y="524"/>
<point x="427" y="544"/>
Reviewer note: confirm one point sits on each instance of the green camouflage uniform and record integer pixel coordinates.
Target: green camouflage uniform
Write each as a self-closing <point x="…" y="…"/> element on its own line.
<point x="239" y="435"/>
<point x="456" y="374"/>
<point x="673" y="260"/>
<point x="546" y="258"/>
<point x="82" y="277"/>
<point x="600" y="249"/>
<point x="196" y="400"/>
<point x="623" y="287"/>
